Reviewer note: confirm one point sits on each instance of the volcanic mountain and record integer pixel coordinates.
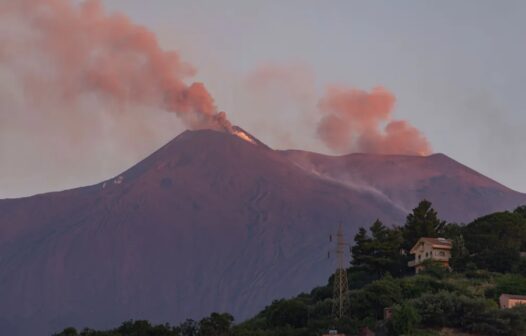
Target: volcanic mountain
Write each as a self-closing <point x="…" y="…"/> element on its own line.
<point x="209" y="222"/>
<point x="459" y="193"/>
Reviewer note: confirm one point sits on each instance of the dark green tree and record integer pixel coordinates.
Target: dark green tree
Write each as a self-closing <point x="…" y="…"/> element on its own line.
<point x="452" y="230"/>
<point x="292" y="313"/>
<point x="68" y="332"/>
<point x="216" y="325"/>
<point x="371" y="300"/>
<point x="434" y="269"/>
<point x="188" y="328"/>
<point x="459" y="254"/>
<point x="422" y="222"/>
<point x="379" y="253"/>
<point x="361" y="248"/>
<point x="405" y="319"/>
<point x="135" y="327"/>
<point x="509" y="284"/>
<point x="521" y="211"/>
<point x="495" y="241"/>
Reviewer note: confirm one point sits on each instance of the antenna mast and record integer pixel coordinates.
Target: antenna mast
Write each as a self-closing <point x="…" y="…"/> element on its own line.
<point x="341" y="303"/>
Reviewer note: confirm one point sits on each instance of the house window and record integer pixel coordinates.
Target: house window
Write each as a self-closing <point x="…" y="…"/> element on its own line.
<point x="442" y="253"/>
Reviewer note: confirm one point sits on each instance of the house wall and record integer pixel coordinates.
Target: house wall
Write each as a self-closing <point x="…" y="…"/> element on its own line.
<point x="506" y="301"/>
<point x="513" y="302"/>
<point x="427" y="252"/>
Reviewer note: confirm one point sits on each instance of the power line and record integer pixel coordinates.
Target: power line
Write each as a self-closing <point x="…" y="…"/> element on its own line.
<point x="341" y="302"/>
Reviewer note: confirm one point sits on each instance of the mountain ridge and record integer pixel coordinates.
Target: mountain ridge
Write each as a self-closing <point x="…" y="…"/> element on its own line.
<point x="406" y="179"/>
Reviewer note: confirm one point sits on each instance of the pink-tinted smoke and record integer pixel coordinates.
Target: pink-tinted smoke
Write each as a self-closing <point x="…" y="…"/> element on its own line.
<point x="360" y="121"/>
<point x="85" y="52"/>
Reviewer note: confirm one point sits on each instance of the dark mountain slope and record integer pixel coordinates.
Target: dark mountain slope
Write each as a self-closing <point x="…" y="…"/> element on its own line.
<point x="209" y="222"/>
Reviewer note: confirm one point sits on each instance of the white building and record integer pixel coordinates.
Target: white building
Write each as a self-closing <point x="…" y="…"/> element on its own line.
<point x="436" y="249"/>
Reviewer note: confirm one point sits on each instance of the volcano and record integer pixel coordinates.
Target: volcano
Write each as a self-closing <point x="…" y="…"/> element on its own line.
<point x="457" y="192"/>
<point x="209" y="222"/>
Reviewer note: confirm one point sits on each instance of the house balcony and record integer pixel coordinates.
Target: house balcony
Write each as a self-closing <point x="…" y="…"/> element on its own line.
<point x="414" y="263"/>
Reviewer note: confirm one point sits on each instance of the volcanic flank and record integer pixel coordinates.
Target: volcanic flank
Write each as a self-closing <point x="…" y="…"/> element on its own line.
<point x="209" y="222"/>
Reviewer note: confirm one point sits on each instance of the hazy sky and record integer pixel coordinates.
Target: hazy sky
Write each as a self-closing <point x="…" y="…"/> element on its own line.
<point x="456" y="69"/>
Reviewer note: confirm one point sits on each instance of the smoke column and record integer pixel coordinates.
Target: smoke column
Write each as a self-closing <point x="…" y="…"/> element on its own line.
<point x="77" y="52"/>
<point x="360" y="121"/>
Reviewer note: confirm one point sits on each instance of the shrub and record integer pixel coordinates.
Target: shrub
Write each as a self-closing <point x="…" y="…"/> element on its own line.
<point x="373" y="298"/>
<point x="405" y="319"/>
<point x="293" y="313"/>
<point x="445" y="309"/>
<point x="413" y="287"/>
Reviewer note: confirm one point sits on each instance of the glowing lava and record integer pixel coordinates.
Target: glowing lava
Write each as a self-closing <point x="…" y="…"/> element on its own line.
<point x="243" y="136"/>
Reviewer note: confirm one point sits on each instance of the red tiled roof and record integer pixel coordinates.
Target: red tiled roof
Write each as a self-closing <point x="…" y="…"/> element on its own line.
<point x="438" y="241"/>
<point x="435" y="242"/>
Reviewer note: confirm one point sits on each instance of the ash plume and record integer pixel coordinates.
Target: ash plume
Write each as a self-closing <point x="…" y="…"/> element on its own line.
<point x="360" y="121"/>
<point x="344" y="119"/>
<point x="73" y="52"/>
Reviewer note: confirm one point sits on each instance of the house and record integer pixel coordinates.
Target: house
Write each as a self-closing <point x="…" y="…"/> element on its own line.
<point x="509" y="301"/>
<point x="436" y="249"/>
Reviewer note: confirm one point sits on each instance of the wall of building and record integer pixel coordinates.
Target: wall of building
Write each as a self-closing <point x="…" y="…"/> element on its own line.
<point x="513" y="302"/>
<point x="427" y="252"/>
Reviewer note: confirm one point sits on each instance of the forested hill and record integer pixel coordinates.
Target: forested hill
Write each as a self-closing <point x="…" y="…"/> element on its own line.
<point x="486" y="262"/>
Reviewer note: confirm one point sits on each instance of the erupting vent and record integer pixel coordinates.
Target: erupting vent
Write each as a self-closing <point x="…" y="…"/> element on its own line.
<point x="244" y="136"/>
<point x="241" y="133"/>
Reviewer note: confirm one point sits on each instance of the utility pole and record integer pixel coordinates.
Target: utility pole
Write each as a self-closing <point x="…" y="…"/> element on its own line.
<point x="341" y="304"/>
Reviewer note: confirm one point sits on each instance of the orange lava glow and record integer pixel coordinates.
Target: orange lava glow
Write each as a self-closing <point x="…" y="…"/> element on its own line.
<point x="244" y="136"/>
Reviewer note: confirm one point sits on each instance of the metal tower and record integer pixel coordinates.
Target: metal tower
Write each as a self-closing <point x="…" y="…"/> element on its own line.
<point x="341" y="304"/>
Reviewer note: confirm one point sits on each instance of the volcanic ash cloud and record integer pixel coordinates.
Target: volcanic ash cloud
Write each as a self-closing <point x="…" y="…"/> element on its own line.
<point x="68" y="53"/>
<point x="359" y="121"/>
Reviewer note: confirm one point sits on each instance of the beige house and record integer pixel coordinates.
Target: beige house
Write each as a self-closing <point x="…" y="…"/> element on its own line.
<point x="436" y="249"/>
<point x="509" y="301"/>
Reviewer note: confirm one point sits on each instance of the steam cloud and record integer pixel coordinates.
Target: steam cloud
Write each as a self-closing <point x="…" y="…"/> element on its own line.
<point x="89" y="54"/>
<point x="359" y="121"/>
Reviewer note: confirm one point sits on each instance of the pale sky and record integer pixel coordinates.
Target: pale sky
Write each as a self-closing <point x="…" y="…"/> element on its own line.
<point x="456" y="68"/>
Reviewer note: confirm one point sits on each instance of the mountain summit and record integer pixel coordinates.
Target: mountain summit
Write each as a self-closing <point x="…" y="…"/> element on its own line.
<point x="209" y="222"/>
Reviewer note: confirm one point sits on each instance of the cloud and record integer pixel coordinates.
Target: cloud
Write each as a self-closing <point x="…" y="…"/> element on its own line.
<point x="65" y="52"/>
<point x="359" y="121"/>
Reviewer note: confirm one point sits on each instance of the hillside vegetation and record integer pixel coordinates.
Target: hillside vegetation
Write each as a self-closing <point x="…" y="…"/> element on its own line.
<point x="486" y="262"/>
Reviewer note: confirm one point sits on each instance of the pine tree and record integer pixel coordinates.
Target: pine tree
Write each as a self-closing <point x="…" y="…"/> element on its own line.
<point x="422" y="222"/>
<point x="361" y="248"/>
<point x="380" y="253"/>
<point x="521" y="211"/>
<point x="459" y="254"/>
